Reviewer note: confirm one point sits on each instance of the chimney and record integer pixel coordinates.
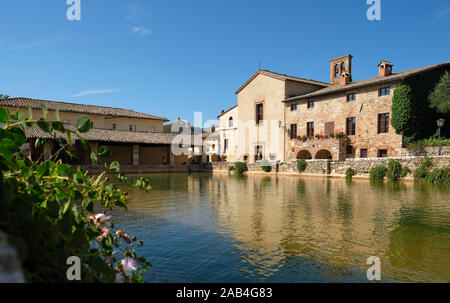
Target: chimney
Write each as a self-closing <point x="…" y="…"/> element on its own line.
<point x="385" y="68"/>
<point x="339" y="66"/>
<point x="345" y="78"/>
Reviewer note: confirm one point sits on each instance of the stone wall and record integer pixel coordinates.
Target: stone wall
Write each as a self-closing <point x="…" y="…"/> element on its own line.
<point x="427" y="151"/>
<point x="337" y="168"/>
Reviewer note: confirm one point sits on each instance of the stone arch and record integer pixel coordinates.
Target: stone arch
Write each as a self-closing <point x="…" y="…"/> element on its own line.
<point x="304" y="154"/>
<point x="324" y="154"/>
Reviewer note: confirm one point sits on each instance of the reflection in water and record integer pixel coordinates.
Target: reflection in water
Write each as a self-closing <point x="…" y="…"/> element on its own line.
<point x="219" y="228"/>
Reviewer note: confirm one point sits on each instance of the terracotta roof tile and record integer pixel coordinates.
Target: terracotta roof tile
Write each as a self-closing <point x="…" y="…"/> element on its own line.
<point x="367" y="82"/>
<point x="77" y="108"/>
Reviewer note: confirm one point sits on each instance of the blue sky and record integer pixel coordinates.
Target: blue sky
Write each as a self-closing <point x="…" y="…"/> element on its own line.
<point x="172" y="58"/>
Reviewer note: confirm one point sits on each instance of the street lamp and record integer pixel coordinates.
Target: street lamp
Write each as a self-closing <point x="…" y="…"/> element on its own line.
<point x="440" y="124"/>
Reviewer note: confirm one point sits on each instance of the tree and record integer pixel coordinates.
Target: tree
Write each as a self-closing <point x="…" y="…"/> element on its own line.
<point x="3" y="97"/>
<point x="440" y="97"/>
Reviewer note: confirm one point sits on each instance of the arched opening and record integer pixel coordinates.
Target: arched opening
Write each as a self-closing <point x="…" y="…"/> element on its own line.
<point x="336" y="71"/>
<point x="342" y="67"/>
<point x="324" y="154"/>
<point x="230" y="122"/>
<point x="304" y="154"/>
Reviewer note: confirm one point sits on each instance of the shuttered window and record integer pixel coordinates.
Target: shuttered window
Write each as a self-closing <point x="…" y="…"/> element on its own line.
<point x="293" y="131"/>
<point x="310" y="129"/>
<point x="259" y="113"/>
<point x="383" y="123"/>
<point x="351" y="126"/>
<point x="329" y="128"/>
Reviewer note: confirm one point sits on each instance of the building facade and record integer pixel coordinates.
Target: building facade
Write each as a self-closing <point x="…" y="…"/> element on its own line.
<point x="135" y="139"/>
<point x="284" y="118"/>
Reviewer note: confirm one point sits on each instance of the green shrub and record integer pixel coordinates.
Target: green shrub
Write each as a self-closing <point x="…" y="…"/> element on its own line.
<point x="431" y="142"/>
<point x="301" y="165"/>
<point x="424" y="168"/>
<point x="240" y="168"/>
<point x="394" y="170"/>
<point x="420" y="173"/>
<point x="378" y="173"/>
<point x="230" y="168"/>
<point x="350" y="172"/>
<point x="439" y="176"/>
<point x="405" y="172"/>
<point x="47" y="208"/>
<point x="427" y="162"/>
<point x="266" y="166"/>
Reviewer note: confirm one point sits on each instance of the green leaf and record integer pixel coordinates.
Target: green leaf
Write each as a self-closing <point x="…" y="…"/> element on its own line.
<point x="38" y="143"/>
<point x="45" y="126"/>
<point x="84" y="144"/>
<point x="115" y="166"/>
<point x="104" y="152"/>
<point x="83" y="124"/>
<point x="18" y="136"/>
<point x="66" y="207"/>
<point x="57" y="116"/>
<point x="64" y="170"/>
<point x="94" y="157"/>
<point x="22" y="120"/>
<point x="30" y="113"/>
<point x="58" y="126"/>
<point x="4" y="115"/>
<point x="42" y="170"/>
<point x="44" y="111"/>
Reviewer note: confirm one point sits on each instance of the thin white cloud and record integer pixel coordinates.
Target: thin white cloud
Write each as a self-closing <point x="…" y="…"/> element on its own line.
<point x="442" y="14"/>
<point x="95" y="92"/>
<point x="140" y="30"/>
<point x="29" y="45"/>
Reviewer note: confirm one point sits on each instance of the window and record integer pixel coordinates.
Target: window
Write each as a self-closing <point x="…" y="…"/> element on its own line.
<point x="293" y="131"/>
<point x="293" y="107"/>
<point x="230" y="122"/>
<point x="385" y="91"/>
<point x="114" y="126"/>
<point x="336" y="71"/>
<point x="132" y="128"/>
<point x="273" y="157"/>
<point x="246" y="158"/>
<point x="310" y="129"/>
<point x="351" y="126"/>
<point x="92" y="124"/>
<point x="349" y="150"/>
<point x="259" y="113"/>
<point x="383" y="123"/>
<point x="351" y="97"/>
<point x="363" y="153"/>
<point x="225" y="145"/>
<point x="310" y="104"/>
<point x="382" y="153"/>
<point x="66" y="121"/>
<point x="258" y="153"/>
<point x="329" y="128"/>
<point x="152" y="129"/>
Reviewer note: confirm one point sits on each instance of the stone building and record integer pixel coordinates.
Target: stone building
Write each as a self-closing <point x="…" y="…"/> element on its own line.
<point x="283" y="118"/>
<point x="135" y="139"/>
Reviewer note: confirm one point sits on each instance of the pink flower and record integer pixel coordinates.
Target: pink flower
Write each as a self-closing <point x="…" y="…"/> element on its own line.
<point x="129" y="266"/>
<point x="105" y="232"/>
<point x="100" y="219"/>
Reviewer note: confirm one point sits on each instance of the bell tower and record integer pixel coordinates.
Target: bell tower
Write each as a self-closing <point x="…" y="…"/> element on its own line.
<point x="340" y="70"/>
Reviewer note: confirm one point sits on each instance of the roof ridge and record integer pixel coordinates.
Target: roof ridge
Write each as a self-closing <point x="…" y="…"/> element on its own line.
<point x="33" y="100"/>
<point x="290" y="76"/>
